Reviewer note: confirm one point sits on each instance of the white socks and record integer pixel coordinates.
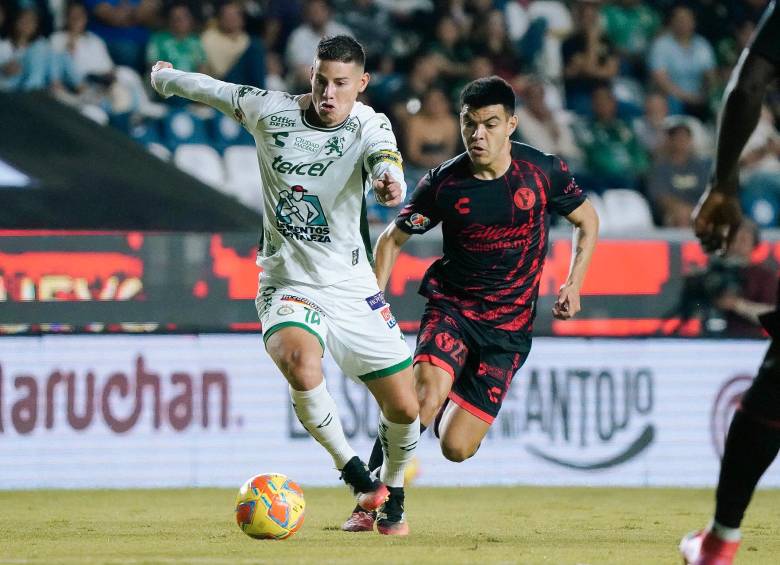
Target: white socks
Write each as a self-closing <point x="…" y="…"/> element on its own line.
<point x="398" y="443"/>
<point x="317" y="411"/>
<point x="725" y="533"/>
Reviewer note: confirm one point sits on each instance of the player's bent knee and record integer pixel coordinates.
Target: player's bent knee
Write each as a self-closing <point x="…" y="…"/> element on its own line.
<point x="457" y="453"/>
<point x="404" y="412"/>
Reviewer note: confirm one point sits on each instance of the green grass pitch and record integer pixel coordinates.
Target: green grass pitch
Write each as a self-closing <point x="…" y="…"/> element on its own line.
<point x="523" y="525"/>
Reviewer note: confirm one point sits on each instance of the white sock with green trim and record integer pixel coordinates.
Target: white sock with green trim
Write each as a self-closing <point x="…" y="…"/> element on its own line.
<point x="399" y="442"/>
<point x="317" y="411"/>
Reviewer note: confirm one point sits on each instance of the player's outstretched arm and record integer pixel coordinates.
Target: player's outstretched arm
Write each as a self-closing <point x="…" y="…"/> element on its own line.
<point x="196" y="87"/>
<point x="718" y="215"/>
<point x="586" y="232"/>
<point x="388" y="246"/>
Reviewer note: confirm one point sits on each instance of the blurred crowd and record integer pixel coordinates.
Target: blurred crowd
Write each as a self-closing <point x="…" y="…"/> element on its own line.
<point x="625" y="90"/>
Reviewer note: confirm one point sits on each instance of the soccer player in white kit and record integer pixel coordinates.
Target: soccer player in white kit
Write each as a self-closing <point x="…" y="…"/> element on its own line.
<point x="319" y="154"/>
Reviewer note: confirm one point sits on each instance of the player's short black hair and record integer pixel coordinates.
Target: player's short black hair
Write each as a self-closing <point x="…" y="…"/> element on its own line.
<point x="341" y="48"/>
<point x="488" y="91"/>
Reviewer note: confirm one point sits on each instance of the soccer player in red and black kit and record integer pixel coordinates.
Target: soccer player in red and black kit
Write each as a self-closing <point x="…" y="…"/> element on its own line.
<point x="753" y="440"/>
<point x="494" y="203"/>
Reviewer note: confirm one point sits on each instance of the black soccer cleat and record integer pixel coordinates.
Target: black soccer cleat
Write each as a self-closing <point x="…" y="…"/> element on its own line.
<point x="371" y="493"/>
<point x="390" y="519"/>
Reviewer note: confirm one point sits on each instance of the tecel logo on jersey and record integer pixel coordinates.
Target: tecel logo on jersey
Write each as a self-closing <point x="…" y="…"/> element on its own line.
<point x="581" y="418"/>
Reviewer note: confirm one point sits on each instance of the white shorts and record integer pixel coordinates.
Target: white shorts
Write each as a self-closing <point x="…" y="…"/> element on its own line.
<point x="351" y="320"/>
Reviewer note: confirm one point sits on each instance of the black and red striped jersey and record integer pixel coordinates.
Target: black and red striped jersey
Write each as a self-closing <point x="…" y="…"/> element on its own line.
<point x="495" y="233"/>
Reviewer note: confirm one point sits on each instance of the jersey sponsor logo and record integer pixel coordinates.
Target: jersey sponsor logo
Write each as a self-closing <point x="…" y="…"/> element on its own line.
<point x="300" y="300"/>
<point x="480" y="238"/>
<point x="303" y="169"/>
<point x="384" y="156"/>
<point x="524" y="198"/>
<point x="305" y="145"/>
<point x="388" y="317"/>
<point x="335" y="145"/>
<point x="300" y="143"/>
<point x="282" y="122"/>
<point x="376" y="301"/>
<point x="300" y="216"/>
<point x="352" y="125"/>
<point x="356" y="256"/>
<point x="462" y="206"/>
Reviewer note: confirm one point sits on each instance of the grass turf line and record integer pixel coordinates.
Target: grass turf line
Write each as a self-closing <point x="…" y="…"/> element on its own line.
<point x="524" y="525"/>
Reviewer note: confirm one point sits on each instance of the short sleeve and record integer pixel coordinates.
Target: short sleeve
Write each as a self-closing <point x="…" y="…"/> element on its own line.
<point x="380" y="149"/>
<point x="565" y="195"/>
<point x="420" y="214"/>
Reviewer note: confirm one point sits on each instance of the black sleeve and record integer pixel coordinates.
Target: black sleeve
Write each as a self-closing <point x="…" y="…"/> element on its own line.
<point x="766" y="41"/>
<point x="420" y="215"/>
<point x="565" y="195"/>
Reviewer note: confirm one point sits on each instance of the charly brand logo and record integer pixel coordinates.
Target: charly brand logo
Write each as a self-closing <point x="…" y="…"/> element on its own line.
<point x="726" y="403"/>
<point x="77" y="401"/>
<point x="300" y="216"/>
<point x="579" y="417"/>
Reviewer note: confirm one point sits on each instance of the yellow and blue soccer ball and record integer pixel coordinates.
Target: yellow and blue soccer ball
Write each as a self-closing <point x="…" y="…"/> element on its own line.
<point x="270" y="506"/>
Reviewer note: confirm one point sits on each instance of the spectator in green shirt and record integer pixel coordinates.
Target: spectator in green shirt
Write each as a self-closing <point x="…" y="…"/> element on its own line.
<point x="179" y="45"/>
<point x="613" y="155"/>
<point x="631" y="26"/>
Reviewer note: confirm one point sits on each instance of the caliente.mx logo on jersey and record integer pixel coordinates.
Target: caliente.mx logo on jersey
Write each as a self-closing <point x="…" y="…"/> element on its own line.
<point x="300" y="216"/>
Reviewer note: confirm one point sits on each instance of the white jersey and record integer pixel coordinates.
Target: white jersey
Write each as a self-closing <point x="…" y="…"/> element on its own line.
<point x="314" y="179"/>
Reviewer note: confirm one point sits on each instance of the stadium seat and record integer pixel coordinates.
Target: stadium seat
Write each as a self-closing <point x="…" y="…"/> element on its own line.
<point x="184" y="127"/>
<point x="146" y="132"/>
<point x="243" y="175"/>
<point x="227" y="131"/>
<point x="202" y="162"/>
<point x="626" y="210"/>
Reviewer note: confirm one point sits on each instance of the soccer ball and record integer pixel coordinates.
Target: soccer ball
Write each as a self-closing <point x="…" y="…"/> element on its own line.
<point x="270" y="507"/>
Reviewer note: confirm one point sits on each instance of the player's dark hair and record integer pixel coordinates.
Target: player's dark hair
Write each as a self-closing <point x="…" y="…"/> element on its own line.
<point x="488" y="91"/>
<point x="341" y="48"/>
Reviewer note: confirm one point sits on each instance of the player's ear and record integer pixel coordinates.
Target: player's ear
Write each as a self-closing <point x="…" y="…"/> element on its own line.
<point x="512" y="124"/>
<point x="364" y="79"/>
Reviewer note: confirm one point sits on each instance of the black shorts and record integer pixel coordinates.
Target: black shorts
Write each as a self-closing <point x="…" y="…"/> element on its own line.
<point x="762" y="399"/>
<point x="481" y="360"/>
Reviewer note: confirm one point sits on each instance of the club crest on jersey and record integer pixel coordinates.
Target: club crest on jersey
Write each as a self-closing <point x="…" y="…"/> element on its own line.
<point x="417" y="221"/>
<point x="524" y="198"/>
<point x="300" y="216"/>
<point x="335" y="145"/>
